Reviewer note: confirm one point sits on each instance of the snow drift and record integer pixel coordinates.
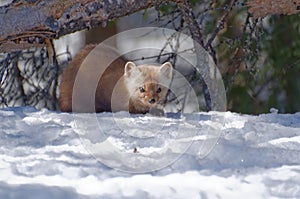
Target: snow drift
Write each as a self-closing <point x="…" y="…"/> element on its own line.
<point x="46" y="154"/>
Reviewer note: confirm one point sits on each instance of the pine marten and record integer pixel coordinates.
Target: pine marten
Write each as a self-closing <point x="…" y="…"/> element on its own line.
<point x="123" y="86"/>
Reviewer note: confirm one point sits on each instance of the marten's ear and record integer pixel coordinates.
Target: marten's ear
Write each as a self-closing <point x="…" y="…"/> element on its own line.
<point x="131" y="69"/>
<point x="166" y="70"/>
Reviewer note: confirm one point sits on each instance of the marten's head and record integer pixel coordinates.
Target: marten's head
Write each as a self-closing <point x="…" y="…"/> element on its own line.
<point x="147" y="84"/>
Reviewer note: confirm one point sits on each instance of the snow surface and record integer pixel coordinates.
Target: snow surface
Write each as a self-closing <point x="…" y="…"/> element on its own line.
<point x="46" y="154"/>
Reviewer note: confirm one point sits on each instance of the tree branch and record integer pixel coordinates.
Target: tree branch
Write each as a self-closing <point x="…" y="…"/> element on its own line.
<point x="24" y="21"/>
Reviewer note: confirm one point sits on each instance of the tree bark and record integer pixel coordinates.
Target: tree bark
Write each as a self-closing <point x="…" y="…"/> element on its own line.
<point x="25" y="23"/>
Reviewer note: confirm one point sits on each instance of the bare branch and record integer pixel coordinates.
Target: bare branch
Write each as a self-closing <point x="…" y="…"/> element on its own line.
<point x="22" y="20"/>
<point x="262" y="8"/>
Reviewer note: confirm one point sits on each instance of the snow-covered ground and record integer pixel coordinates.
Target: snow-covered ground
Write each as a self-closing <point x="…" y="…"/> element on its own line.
<point x="47" y="154"/>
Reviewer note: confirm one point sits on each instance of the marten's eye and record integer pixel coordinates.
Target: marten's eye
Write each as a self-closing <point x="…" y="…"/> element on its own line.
<point x="158" y="90"/>
<point x="142" y="90"/>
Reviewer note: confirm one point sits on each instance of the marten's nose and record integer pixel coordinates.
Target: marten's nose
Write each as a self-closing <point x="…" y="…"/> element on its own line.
<point x="152" y="101"/>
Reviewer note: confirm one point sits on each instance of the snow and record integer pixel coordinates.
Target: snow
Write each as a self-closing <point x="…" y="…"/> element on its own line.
<point x="46" y="154"/>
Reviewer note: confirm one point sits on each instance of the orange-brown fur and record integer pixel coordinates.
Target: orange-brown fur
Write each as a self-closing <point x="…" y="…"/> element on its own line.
<point x="119" y="88"/>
